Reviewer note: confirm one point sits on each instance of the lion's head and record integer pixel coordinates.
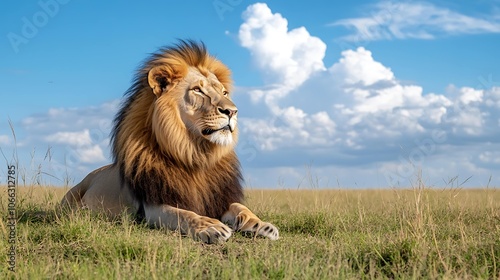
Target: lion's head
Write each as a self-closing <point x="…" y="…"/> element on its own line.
<point x="175" y="134"/>
<point x="198" y="86"/>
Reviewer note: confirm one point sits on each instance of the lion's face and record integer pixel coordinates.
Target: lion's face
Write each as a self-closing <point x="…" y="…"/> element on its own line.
<point x="206" y="108"/>
<point x="203" y="104"/>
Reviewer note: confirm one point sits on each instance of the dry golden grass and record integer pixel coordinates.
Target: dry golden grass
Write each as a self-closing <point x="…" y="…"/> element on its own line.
<point x="325" y="234"/>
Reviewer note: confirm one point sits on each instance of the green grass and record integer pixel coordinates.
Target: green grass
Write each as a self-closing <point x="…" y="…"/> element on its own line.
<point x="324" y="234"/>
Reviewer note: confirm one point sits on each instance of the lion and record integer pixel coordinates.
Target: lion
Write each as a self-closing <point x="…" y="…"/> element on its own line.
<point x="174" y="163"/>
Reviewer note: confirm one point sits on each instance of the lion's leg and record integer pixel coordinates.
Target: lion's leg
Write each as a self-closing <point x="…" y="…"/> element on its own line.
<point x="73" y="198"/>
<point x="188" y="223"/>
<point x="242" y="219"/>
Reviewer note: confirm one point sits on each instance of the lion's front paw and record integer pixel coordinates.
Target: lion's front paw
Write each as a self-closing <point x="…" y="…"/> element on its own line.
<point x="242" y="219"/>
<point x="246" y="223"/>
<point x="208" y="230"/>
<point x="269" y="230"/>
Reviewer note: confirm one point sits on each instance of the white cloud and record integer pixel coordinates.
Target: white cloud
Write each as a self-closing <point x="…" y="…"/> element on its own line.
<point x="363" y="116"/>
<point x="292" y="127"/>
<point x="79" y="143"/>
<point x="76" y="139"/>
<point x="374" y="96"/>
<point x="469" y="120"/>
<point x="469" y="95"/>
<point x="359" y="68"/>
<point x="290" y="57"/>
<point x="374" y="104"/>
<point x="368" y="93"/>
<point x="419" y="20"/>
<point x="91" y="154"/>
<point x="493" y="97"/>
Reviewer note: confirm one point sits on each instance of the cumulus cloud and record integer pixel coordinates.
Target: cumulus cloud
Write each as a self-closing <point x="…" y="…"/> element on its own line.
<point x="419" y="20"/>
<point x="289" y="56"/>
<point x="365" y="115"/>
<point x="380" y="103"/>
<point x="358" y="68"/>
<point x="469" y="95"/>
<point x="291" y="128"/>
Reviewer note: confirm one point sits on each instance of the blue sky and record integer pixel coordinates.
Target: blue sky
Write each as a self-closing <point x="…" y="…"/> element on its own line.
<point x="331" y="93"/>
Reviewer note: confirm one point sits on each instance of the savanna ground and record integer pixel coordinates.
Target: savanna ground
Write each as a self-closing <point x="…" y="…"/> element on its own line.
<point x="324" y="234"/>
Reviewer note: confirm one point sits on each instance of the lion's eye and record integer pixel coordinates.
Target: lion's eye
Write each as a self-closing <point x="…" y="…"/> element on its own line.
<point x="197" y="89"/>
<point x="225" y="93"/>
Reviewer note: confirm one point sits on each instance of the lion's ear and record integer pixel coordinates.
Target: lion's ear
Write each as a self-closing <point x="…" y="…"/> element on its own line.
<point x="162" y="79"/>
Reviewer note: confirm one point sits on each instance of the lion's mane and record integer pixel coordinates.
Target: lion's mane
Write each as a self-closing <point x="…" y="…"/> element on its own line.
<point x="170" y="165"/>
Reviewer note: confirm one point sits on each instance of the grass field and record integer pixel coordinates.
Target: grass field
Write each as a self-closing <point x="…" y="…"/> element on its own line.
<point x="325" y="234"/>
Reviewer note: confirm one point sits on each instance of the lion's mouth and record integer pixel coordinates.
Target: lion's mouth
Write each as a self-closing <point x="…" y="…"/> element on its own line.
<point x="208" y="131"/>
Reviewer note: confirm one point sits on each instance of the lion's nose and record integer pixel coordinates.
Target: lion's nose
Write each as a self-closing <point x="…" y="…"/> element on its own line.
<point x="228" y="112"/>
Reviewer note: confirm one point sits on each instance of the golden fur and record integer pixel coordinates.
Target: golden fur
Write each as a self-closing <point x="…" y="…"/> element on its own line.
<point x="173" y="149"/>
<point x="161" y="160"/>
